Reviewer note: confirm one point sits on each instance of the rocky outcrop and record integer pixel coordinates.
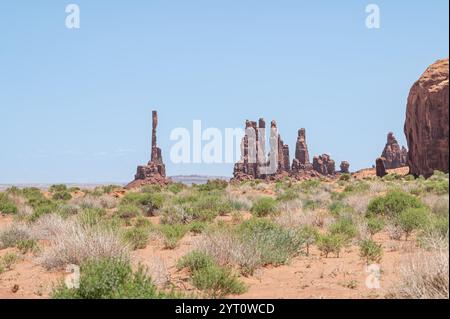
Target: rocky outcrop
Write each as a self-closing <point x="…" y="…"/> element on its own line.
<point x="155" y="170"/>
<point x="324" y="165"/>
<point x="393" y="155"/>
<point x="345" y="167"/>
<point x="379" y="167"/>
<point x="254" y="164"/>
<point x="427" y="122"/>
<point x="301" y="168"/>
<point x="301" y="160"/>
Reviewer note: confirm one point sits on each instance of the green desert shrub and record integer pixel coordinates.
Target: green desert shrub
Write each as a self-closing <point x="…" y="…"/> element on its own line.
<point x="11" y="236"/>
<point x="128" y="211"/>
<point x="309" y="185"/>
<point x="195" y="260"/>
<point x="217" y="281"/>
<point x="264" y="206"/>
<point x="345" y="227"/>
<point x="345" y="177"/>
<point x="330" y="243"/>
<point x="357" y="187"/>
<point x="309" y="236"/>
<point x="338" y="207"/>
<point x="391" y="204"/>
<point x="8" y="260"/>
<point x="137" y="237"/>
<point x="62" y="195"/>
<point x="412" y="219"/>
<point x="57" y="188"/>
<point x="172" y="234"/>
<point x="287" y="195"/>
<point x="148" y="202"/>
<point x="197" y="227"/>
<point x="311" y="204"/>
<point x="27" y="245"/>
<point x="208" y="276"/>
<point x="275" y="244"/>
<point x="213" y="185"/>
<point x="374" y="225"/>
<point x="111" y="279"/>
<point x="175" y="188"/>
<point x="91" y="216"/>
<point x="7" y="206"/>
<point x="370" y="251"/>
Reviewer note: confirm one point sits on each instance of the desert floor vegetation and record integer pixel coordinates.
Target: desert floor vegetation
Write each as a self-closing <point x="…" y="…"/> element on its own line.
<point x="291" y="239"/>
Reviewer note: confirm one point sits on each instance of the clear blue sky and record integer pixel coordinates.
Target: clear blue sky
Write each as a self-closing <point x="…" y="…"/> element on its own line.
<point x="75" y="105"/>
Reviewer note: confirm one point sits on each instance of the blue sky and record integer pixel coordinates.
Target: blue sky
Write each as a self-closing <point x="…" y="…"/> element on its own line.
<point x="75" y="105"/>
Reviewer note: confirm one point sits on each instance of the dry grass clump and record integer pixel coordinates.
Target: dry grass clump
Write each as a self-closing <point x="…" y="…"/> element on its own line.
<point x="72" y="243"/>
<point x="228" y="250"/>
<point x="12" y="235"/>
<point x="90" y="201"/>
<point x="359" y="202"/>
<point x="425" y="274"/>
<point x="157" y="270"/>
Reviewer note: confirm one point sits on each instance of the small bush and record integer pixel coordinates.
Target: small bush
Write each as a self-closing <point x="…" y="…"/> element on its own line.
<point x="392" y="204"/>
<point x="27" y="245"/>
<point x="128" y="211"/>
<point x="8" y="260"/>
<point x="63" y="196"/>
<point x="274" y="244"/>
<point x="197" y="227"/>
<point x="412" y="219"/>
<point x="330" y="243"/>
<point x="11" y="236"/>
<point x="370" y="251"/>
<point x="110" y="279"/>
<point x="57" y="188"/>
<point x="217" y="281"/>
<point x="172" y="234"/>
<point x="91" y="216"/>
<point x="310" y="204"/>
<point x="287" y="195"/>
<point x="345" y="227"/>
<point x="345" y="177"/>
<point x="264" y="206"/>
<point x="195" y="260"/>
<point x="175" y="187"/>
<point x="7" y="206"/>
<point x="136" y="237"/>
<point x="309" y="236"/>
<point x="374" y="225"/>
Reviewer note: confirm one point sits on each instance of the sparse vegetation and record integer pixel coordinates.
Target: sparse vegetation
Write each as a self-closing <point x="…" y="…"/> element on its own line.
<point x="370" y="251"/>
<point x="232" y="230"/>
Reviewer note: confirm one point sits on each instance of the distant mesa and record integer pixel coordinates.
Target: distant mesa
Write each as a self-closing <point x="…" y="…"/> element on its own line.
<point x="427" y="122"/>
<point x="394" y="156"/>
<point x="301" y="168"/>
<point x="154" y="173"/>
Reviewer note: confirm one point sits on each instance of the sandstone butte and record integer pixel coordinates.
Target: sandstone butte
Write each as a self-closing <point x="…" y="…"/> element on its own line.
<point x="426" y="126"/>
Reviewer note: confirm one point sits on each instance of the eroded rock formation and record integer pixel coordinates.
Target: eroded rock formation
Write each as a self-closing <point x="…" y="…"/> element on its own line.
<point x="254" y="164"/>
<point x="427" y="121"/>
<point x="155" y="170"/>
<point x="324" y="165"/>
<point x="394" y="156"/>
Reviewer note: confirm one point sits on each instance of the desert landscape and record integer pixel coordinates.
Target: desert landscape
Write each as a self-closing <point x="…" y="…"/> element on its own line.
<point x="306" y="230"/>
